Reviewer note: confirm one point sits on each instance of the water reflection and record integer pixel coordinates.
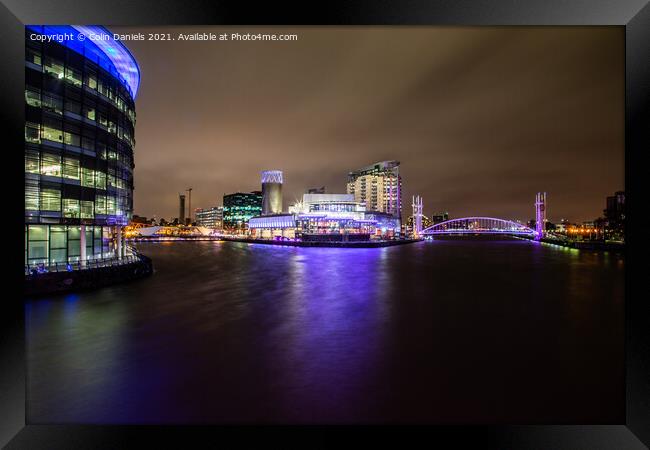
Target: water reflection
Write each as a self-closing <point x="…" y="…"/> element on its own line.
<point x="443" y="331"/>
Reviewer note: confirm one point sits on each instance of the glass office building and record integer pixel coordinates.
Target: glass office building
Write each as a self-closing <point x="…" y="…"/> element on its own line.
<point x="239" y="207"/>
<point x="79" y="140"/>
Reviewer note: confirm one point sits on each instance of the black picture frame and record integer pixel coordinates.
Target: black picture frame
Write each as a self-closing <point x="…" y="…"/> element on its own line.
<point x="633" y="15"/>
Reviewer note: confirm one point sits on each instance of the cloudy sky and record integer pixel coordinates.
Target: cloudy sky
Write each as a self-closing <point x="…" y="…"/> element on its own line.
<point x="480" y="118"/>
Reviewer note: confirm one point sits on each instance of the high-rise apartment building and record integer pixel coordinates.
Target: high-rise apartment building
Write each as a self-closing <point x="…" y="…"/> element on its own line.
<point x="379" y="186"/>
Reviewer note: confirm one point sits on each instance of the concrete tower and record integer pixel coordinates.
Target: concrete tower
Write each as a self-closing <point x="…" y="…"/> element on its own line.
<point x="271" y="192"/>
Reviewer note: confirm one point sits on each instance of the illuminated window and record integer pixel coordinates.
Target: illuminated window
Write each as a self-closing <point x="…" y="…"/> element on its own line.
<point x="73" y="76"/>
<point x="32" y="132"/>
<point x="100" y="180"/>
<point x="50" y="200"/>
<point x="58" y="244"/>
<point x="31" y="195"/>
<point x="87" y="177"/>
<point x="32" y="160"/>
<point x="51" y="165"/>
<point x="52" y="134"/>
<point x="54" y="68"/>
<point x="71" y="208"/>
<point x="91" y="81"/>
<point x="33" y="97"/>
<point x="87" y="210"/>
<point x="71" y="168"/>
<point x="100" y="204"/>
<point x="37" y="247"/>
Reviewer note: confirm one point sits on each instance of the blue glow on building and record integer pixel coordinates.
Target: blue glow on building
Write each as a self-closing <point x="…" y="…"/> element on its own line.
<point x="109" y="54"/>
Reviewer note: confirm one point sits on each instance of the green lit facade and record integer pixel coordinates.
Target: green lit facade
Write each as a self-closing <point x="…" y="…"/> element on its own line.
<point x="239" y="207"/>
<point x="79" y="140"/>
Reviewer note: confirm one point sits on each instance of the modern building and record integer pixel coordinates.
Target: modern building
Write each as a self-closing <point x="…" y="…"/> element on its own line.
<point x="210" y="217"/>
<point x="379" y="187"/>
<point x="326" y="217"/>
<point x="79" y="141"/>
<point x="271" y="192"/>
<point x="238" y="208"/>
<point x="615" y="216"/>
<point x="440" y="217"/>
<point x="181" y="208"/>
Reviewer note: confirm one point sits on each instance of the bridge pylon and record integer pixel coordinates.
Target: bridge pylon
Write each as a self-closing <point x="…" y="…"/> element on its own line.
<point x="417" y="216"/>
<point x="540" y="214"/>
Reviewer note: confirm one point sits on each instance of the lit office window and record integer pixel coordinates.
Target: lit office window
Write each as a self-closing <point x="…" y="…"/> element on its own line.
<point x="91" y="81"/>
<point x="71" y="208"/>
<point x="87" y="177"/>
<point x="71" y="168"/>
<point x="100" y="180"/>
<point x="32" y="132"/>
<point x="73" y="76"/>
<point x="51" y="165"/>
<point x="33" y="97"/>
<point x="31" y="195"/>
<point x="52" y="134"/>
<point x="50" y="200"/>
<point x="54" y="68"/>
<point x="100" y="204"/>
<point x="87" y="210"/>
<point x="32" y="160"/>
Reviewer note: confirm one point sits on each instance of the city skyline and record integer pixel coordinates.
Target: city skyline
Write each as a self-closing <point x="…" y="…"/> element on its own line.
<point x="480" y="118"/>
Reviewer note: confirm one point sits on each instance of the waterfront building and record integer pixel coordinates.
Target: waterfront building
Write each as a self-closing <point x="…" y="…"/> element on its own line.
<point x="614" y="224"/>
<point x="271" y="192"/>
<point x="440" y="217"/>
<point x="330" y="217"/>
<point x="181" y="208"/>
<point x="210" y="217"/>
<point x="378" y="186"/>
<point x="238" y="208"/>
<point x="79" y="141"/>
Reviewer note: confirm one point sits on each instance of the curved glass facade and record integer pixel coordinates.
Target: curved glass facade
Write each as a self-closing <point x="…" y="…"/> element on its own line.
<point x="79" y="141"/>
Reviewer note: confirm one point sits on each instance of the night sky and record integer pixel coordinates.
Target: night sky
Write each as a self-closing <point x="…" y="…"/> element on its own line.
<point x="480" y="118"/>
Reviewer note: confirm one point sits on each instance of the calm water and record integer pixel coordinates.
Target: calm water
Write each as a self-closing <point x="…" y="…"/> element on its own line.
<point x="448" y="331"/>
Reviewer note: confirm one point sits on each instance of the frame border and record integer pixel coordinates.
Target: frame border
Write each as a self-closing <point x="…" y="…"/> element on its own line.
<point x="634" y="15"/>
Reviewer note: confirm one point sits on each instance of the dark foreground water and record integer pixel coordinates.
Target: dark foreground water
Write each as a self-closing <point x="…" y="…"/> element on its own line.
<point x="455" y="331"/>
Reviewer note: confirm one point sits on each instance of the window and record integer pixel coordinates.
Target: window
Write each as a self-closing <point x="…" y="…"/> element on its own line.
<point x="71" y="139"/>
<point x="53" y="67"/>
<point x="34" y="56"/>
<point x="31" y="160"/>
<point x="50" y="133"/>
<point x="88" y="143"/>
<point x="100" y="204"/>
<point x="71" y="168"/>
<point x="91" y="81"/>
<point x="100" y="180"/>
<point x="51" y="165"/>
<point x="50" y="200"/>
<point x="37" y="248"/>
<point x="89" y="112"/>
<point x="87" y="177"/>
<point x="87" y="210"/>
<point x="74" y="242"/>
<point x="52" y="104"/>
<point x="71" y="208"/>
<point x="33" y="97"/>
<point x="58" y="244"/>
<point x="73" y="106"/>
<point x="32" y="132"/>
<point x="73" y="76"/>
<point x="31" y="195"/>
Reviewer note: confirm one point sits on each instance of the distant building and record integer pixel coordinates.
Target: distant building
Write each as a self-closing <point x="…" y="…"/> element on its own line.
<point x="440" y="217"/>
<point x="271" y="192"/>
<point x="326" y="217"/>
<point x="614" y="213"/>
<point x="139" y="219"/>
<point x="379" y="187"/>
<point x="181" y="208"/>
<point x="210" y="217"/>
<point x="239" y="207"/>
<point x="320" y="190"/>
